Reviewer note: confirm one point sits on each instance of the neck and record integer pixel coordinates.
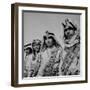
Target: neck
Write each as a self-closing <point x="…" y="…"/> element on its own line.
<point x="51" y="46"/>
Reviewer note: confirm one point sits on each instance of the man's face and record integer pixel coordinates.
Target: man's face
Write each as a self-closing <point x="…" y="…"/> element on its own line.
<point x="27" y="51"/>
<point x="49" y="42"/>
<point x="36" y="47"/>
<point x="69" y="33"/>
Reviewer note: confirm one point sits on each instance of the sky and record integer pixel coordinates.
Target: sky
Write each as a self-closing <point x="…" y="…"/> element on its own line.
<point x="36" y="23"/>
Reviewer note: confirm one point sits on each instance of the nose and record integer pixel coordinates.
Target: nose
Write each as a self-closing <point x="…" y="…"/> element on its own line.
<point x="68" y="32"/>
<point x="48" y="41"/>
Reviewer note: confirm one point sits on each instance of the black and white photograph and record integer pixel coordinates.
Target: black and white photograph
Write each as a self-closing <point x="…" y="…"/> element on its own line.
<point x="49" y="44"/>
<point x="52" y="48"/>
